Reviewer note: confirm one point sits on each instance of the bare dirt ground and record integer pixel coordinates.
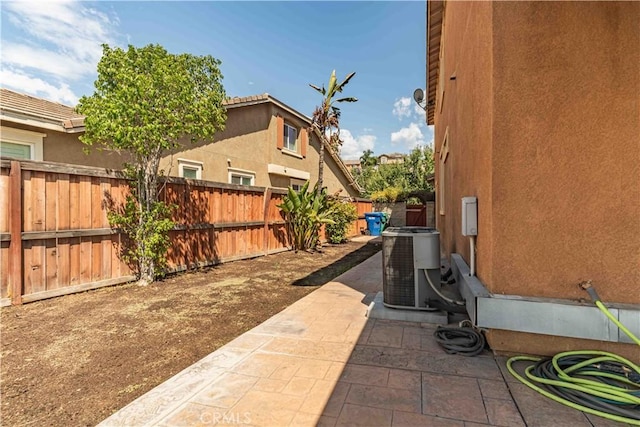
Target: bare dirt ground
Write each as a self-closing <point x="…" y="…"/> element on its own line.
<point x="76" y="359"/>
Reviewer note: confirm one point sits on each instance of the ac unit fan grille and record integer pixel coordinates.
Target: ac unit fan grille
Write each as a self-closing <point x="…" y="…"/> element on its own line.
<point x="398" y="280"/>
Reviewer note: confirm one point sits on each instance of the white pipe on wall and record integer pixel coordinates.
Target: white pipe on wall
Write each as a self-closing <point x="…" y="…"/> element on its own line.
<point x="472" y="255"/>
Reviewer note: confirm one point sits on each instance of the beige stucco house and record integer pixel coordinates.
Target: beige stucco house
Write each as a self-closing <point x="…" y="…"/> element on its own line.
<point x="387" y="159"/>
<point x="265" y="143"/>
<point x="35" y="129"/>
<point x="536" y="107"/>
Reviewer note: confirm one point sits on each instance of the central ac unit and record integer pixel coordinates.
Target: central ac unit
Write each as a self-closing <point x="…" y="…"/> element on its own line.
<point x="410" y="257"/>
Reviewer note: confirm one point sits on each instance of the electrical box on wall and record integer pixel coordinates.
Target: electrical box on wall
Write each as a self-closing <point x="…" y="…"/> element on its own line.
<point x="469" y="216"/>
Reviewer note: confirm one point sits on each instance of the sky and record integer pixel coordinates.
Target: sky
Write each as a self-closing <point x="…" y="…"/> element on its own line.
<point x="50" y="49"/>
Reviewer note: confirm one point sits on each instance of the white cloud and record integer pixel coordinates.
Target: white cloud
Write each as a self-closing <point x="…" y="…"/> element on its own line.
<point x="60" y="43"/>
<point x="24" y="83"/>
<point x="402" y="107"/>
<point x="406" y="107"/>
<point x="408" y="137"/>
<point x="352" y="148"/>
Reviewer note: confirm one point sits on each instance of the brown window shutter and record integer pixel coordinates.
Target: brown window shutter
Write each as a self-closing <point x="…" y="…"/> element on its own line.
<point x="280" y="131"/>
<point x="304" y="141"/>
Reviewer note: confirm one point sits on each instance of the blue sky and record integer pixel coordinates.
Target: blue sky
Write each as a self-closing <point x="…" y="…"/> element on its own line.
<point x="50" y="50"/>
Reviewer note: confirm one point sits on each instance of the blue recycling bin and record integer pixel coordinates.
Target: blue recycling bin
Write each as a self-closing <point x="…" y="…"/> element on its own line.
<point x="375" y="222"/>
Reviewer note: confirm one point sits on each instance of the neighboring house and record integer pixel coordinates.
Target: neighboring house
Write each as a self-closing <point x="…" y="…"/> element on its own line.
<point x="536" y="107"/>
<point x="385" y="159"/>
<point x="35" y="129"/>
<point x="265" y="143"/>
<point x="353" y="165"/>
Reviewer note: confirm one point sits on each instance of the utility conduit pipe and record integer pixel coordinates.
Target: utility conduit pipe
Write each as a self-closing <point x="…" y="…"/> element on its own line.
<point x="440" y="294"/>
<point x="472" y="255"/>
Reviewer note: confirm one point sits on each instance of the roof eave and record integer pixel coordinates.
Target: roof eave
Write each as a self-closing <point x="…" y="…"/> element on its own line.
<point x="435" y="11"/>
<point x="31" y="121"/>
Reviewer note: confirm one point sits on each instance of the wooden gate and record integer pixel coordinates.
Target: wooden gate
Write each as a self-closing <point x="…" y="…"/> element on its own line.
<point x="416" y="215"/>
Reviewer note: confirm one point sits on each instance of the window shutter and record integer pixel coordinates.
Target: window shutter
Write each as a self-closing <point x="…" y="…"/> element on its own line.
<point x="280" y="131"/>
<point x="304" y="141"/>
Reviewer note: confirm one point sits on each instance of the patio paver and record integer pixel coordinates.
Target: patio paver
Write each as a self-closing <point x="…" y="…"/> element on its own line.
<point x="322" y="362"/>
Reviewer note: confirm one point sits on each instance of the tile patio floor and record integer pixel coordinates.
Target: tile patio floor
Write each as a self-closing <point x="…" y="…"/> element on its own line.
<point x="322" y="362"/>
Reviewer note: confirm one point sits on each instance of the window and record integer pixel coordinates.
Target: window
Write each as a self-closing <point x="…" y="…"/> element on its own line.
<point x="444" y="153"/>
<point x="241" y="177"/>
<point x="17" y="151"/>
<point x="189" y="169"/>
<point x="290" y="136"/>
<point x="296" y="184"/>
<point x="20" y="144"/>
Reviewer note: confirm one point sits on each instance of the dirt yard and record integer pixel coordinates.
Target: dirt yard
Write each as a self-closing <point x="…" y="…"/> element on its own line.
<point x="76" y="359"/>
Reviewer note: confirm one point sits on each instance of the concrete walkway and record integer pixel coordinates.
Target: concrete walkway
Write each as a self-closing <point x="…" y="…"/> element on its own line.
<point x="322" y="362"/>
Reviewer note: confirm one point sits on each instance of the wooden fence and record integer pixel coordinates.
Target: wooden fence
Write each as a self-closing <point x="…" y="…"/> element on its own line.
<point x="55" y="238"/>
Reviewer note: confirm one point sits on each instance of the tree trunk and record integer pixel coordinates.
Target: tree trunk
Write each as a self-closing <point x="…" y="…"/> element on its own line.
<point x="320" y="167"/>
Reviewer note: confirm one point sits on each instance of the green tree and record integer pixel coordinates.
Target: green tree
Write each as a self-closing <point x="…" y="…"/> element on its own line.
<point x="145" y="101"/>
<point x="368" y="159"/>
<point x="417" y="167"/>
<point x="407" y="176"/>
<point x="326" y="119"/>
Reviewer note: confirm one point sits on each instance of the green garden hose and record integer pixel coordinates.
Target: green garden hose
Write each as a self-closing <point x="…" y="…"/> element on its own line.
<point x="595" y="382"/>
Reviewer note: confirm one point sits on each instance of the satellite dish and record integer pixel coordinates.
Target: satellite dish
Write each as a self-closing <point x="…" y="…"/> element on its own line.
<point x="418" y="95"/>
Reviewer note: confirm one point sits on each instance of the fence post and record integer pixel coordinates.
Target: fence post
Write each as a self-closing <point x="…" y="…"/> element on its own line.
<point x="265" y="238"/>
<point x="15" y="230"/>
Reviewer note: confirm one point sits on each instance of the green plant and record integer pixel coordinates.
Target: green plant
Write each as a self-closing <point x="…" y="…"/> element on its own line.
<point x="326" y="119"/>
<point x="343" y="215"/>
<point x="146" y="101"/>
<point x="388" y="195"/>
<point x="146" y="232"/>
<point x="305" y="212"/>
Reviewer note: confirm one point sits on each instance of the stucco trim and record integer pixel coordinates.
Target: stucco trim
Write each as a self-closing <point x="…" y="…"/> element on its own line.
<point x="287" y="171"/>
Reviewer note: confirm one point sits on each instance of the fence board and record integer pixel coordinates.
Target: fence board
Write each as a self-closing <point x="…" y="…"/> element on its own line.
<point x="74" y="201"/>
<point x="27" y="212"/>
<point x="4" y="269"/>
<point x="85" y="254"/>
<point x="74" y="260"/>
<point x="38" y="186"/>
<point x="63" y="202"/>
<point x="96" y="258"/>
<point x="51" y="265"/>
<point x="4" y="200"/>
<point x="51" y="202"/>
<point x="64" y="266"/>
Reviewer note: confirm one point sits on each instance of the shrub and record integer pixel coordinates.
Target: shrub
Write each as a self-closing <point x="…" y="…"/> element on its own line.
<point x="343" y="213"/>
<point x="388" y="195"/>
<point x="305" y="212"/>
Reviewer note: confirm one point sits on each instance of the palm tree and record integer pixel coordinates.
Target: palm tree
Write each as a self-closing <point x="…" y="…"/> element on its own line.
<point x="326" y="119"/>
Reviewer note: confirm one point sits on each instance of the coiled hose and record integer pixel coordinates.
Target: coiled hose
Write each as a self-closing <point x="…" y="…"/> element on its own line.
<point x="465" y="341"/>
<point x="595" y="382"/>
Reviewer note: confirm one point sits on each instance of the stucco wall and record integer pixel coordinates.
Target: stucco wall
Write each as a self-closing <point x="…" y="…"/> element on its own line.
<point x="566" y="150"/>
<point x="543" y="123"/>
<point x="466" y="116"/>
<point x="66" y="148"/>
<point x="249" y="142"/>
<point x="244" y="142"/>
